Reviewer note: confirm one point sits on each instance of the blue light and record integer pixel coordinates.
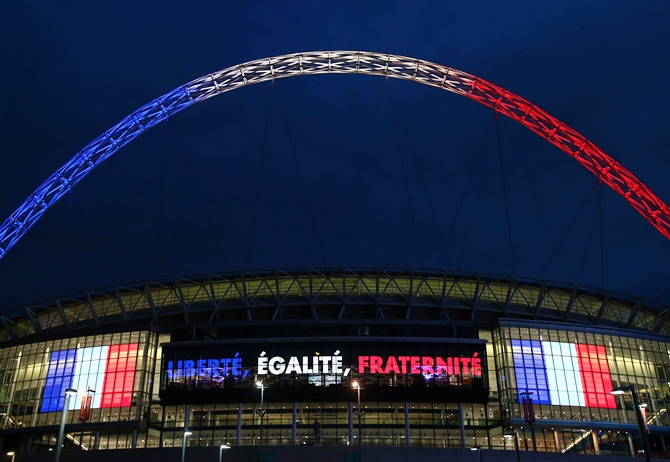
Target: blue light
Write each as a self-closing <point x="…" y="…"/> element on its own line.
<point x="59" y="379"/>
<point x="531" y="371"/>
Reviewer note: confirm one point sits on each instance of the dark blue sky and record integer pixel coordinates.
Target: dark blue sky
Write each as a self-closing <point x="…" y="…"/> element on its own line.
<point x="267" y="176"/>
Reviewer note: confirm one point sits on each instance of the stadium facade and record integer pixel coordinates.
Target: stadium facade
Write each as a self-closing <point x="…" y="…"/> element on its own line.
<point x="338" y="358"/>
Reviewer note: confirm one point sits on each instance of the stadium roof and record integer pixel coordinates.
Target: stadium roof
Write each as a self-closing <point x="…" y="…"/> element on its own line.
<point x="331" y="294"/>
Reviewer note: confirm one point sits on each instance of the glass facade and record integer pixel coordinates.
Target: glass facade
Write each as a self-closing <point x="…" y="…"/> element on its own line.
<point x="569" y="375"/>
<point x="545" y="387"/>
<point x="110" y="373"/>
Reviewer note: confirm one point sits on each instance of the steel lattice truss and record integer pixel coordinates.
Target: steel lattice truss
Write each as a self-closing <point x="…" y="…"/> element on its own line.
<point x="502" y="101"/>
<point x="374" y="295"/>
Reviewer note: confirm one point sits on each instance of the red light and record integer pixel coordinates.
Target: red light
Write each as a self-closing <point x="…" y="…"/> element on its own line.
<point x="120" y="375"/>
<point x="596" y="377"/>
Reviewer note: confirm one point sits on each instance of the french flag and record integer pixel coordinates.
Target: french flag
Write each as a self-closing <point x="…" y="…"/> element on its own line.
<point x="559" y="373"/>
<point x="109" y="370"/>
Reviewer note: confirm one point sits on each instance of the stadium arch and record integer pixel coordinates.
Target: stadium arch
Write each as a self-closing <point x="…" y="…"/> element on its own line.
<point x="504" y="102"/>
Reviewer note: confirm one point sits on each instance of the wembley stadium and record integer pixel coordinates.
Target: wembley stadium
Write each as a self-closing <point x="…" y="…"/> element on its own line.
<point x="339" y="357"/>
<point x="336" y="363"/>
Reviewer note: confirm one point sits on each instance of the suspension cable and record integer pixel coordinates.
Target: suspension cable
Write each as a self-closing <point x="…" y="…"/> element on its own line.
<point x="303" y="187"/>
<point x="429" y="202"/>
<point x="565" y="233"/>
<point x="602" y="234"/>
<point x="161" y="205"/>
<point x="259" y="175"/>
<point x="198" y="192"/>
<point x="463" y="196"/>
<point x="352" y="202"/>
<point x="504" y="185"/>
<point x="404" y="172"/>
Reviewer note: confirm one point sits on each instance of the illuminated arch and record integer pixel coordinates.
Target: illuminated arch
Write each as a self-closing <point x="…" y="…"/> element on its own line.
<point x="502" y="101"/>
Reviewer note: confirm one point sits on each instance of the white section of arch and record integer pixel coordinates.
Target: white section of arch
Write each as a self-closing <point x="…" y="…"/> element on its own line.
<point x="332" y="62"/>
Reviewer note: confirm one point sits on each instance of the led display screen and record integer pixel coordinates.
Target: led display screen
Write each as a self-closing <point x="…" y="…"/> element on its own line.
<point x="559" y="373"/>
<point x="89" y="373"/>
<point x="108" y="371"/>
<point x="224" y="371"/>
<point x="531" y="373"/>
<point x="565" y="383"/>
<point x="117" y="389"/>
<point x="596" y="377"/>
<point x="59" y="378"/>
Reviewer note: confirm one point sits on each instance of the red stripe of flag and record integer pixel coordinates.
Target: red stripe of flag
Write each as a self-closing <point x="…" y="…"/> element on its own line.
<point x="596" y="377"/>
<point x="117" y="389"/>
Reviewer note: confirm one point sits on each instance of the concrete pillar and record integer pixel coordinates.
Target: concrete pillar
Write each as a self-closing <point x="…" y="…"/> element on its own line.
<point x="462" y="419"/>
<point x="351" y="424"/>
<point x="631" y="444"/>
<point x="557" y="441"/>
<point x="294" y="427"/>
<point x="407" y="430"/>
<point x="238" y="438"/>
<point x="596" y="444"/>
<point x="187" y="415"/>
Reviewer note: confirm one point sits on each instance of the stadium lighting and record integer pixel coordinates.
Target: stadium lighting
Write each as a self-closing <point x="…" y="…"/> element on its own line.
<point x="479" y="450"/>
<point x="183" y="443"/>
<point x="359" y="411"/>
<point x="513" y="435"/>
<point x="61" y="431"/>
<point x="86" y="403"/>
<point x="261" y="411"/>
<point x="221" y="448"/>
<point x="529" y="413"/>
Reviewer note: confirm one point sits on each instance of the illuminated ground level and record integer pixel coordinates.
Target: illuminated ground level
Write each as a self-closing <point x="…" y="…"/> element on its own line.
<point x="348" y="359"/>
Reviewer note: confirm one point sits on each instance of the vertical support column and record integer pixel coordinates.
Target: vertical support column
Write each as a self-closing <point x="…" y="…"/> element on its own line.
<point x="351" y="424"/>
<point x="8" y="407"/>
<point x="63" y="420"/>
<point x="557" y="441"/>
<point x="134" y="443"/>
<point x="294" y="427"/>
<point x="532" y="435"/>
<point x="45" y="368"/>
<point x="631" y="445"/>
<point x="647" y="379"/>
<point x="187" y="416"/>
<point x="516" y="444"/>
<point x="161" y="435"/>
<point x="407" y="431"/>
<point x="462" y="419"/>
<point x="596" y="444"/>
<point x="641" y="424"/>
<point x="238" y="438"/>
<point x="96" y="441"/>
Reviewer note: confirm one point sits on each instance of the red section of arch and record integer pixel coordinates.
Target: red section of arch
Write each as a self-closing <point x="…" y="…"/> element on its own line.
<point x="610" y="172"/>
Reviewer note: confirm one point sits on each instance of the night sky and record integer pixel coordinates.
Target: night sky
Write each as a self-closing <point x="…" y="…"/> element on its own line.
<point x="340" y="170"/>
